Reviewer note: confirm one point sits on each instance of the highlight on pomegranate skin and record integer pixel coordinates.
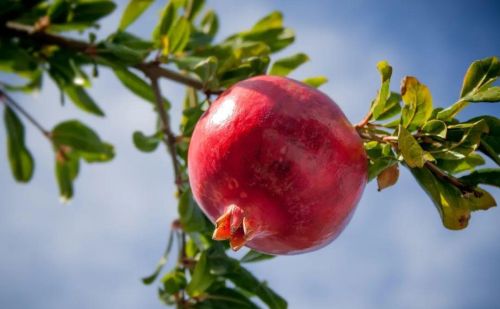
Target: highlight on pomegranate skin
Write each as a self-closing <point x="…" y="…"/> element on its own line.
<point x="276" y="166"/>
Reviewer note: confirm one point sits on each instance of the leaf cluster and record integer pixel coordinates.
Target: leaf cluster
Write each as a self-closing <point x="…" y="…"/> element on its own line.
<point x="444" y="154"/>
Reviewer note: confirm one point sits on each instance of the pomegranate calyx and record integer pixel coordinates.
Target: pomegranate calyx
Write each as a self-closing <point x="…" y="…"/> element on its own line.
<point x="232" y="225"/>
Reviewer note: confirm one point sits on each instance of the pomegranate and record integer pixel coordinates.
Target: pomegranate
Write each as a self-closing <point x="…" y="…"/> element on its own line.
<point x="276" y="166"/>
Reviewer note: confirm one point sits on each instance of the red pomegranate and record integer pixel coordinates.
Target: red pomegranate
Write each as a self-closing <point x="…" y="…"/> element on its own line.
<point x="277" y="166"/>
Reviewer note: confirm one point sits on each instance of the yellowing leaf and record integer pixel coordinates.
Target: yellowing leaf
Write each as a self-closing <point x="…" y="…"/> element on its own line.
<point x="418" y="103"/>
<point x="412" y="152"/>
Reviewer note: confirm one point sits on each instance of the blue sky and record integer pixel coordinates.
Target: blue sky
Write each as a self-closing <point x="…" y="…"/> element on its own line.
<point x="394" y="253"/>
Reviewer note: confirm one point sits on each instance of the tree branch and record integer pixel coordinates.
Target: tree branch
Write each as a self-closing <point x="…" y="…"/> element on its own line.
<point x="7" y="100"/>
<point x="151" y="69"/>
<point x="168" y="136"/>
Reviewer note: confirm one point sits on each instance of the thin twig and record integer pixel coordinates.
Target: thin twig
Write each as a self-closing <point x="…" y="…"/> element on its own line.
<point x="169" y="137"/>
<point x="450" y="179"/>
<point x="7" y="100"/>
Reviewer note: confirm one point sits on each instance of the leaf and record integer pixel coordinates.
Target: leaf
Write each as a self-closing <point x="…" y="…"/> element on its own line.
<point x="412" y="153"/>
<point x="270" y="31"/>
<point x="465" y="164"/>
<point x="480" y="73"/>
<point x="227" y="298"/>
<point x="20" y="158"/>
<point x="490" y="94"/>
<point x="255" y="256"/>
<point x="490" y="141"/>
<point x="163" y="260"/>
<point x="131" y="41"/>
<point x="207" y="70"/>
<point x="173" y="282"/>
<point x="78" y="137"/>
<point x="89" y="11"/>
<point x="191" y="217"/>
<point x="388" y="177"/>
<point x="417" y="100"/>
<point x="178" y="36"/>
<point x="391" y="108"/>
<point x="487" y="176"/>
<point x="201" y="279"/>
<point x="285" y="66"/>
<point x="435" y="127"/>
<point x="380" y="158"/>
<point x="316" y="81"/>
<point x="244" y="279"/>
<point x="67" y="167"/>
<point x="120" y="55"/>
<point x="167" y="18"/>
<point x="378" y="106"/>
<point x="462" y="139"/>
<point x="137" y="85"/>
<point x="454" y="208"/>
<point x="271" y="21"/>
<point x="134" y="9"/>
<point x="146" y="143"/>
<point x="82" y="100"/>
<point x="210" y="23"/>
<point x="448" y="113"/>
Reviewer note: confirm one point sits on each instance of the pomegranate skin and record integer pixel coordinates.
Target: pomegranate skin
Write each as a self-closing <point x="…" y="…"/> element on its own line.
<point x="285" y="157"/>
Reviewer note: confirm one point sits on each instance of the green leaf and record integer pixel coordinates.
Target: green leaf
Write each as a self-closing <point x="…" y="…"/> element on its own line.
<point x="207" y="70"/>
<point x="487" y="176"/>
<point x="227" y="298"/>
<point x="20" y="159"/>
<point x="490" y="141"/>
<point x="315" y="81"/>
<point x="201" y="279"/>
<point x="480" y="73"/>
<point x="120" y="55"/>
<point x="134" y="9"/>
<point x="378" y="106"/>
<point x="462" y="139"/>
<point x="131" y="41"/>
<point x="418" y="103"/>
<point x="78" y="137"/>
<point x="89" y="11"/>
<point x="146" y="143"/>
<point x="244" y="279"/>
<point x="137" y="85"/>
<point x="191" y="217"/>
<point x="412" y="153"/>
<point x="448" y="113"/>
<point x="192" y="8"/>
<point x="468" y="163"/>
<point x="163" y="260"/>
<point x="435" y="127"/>
<point x="174" y="281"/>
<point x="67" y="167"/>
<point x="167" y="18"/>
<point x="82" y="100"/>
<point x="107" y="154"/>
<point x="254" y="256"/>
<point x="391" y="108"/>
<point x="210" y="23"/>
<point x="178" y="36"/>
<point x="285" y="66"/>
<point x="490" y="94"/>
<point x="271" y="21"/>
<point x="453" y="207"/>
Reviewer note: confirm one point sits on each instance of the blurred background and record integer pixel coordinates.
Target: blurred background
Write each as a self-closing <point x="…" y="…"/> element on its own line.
<point x="395" y="253"/>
